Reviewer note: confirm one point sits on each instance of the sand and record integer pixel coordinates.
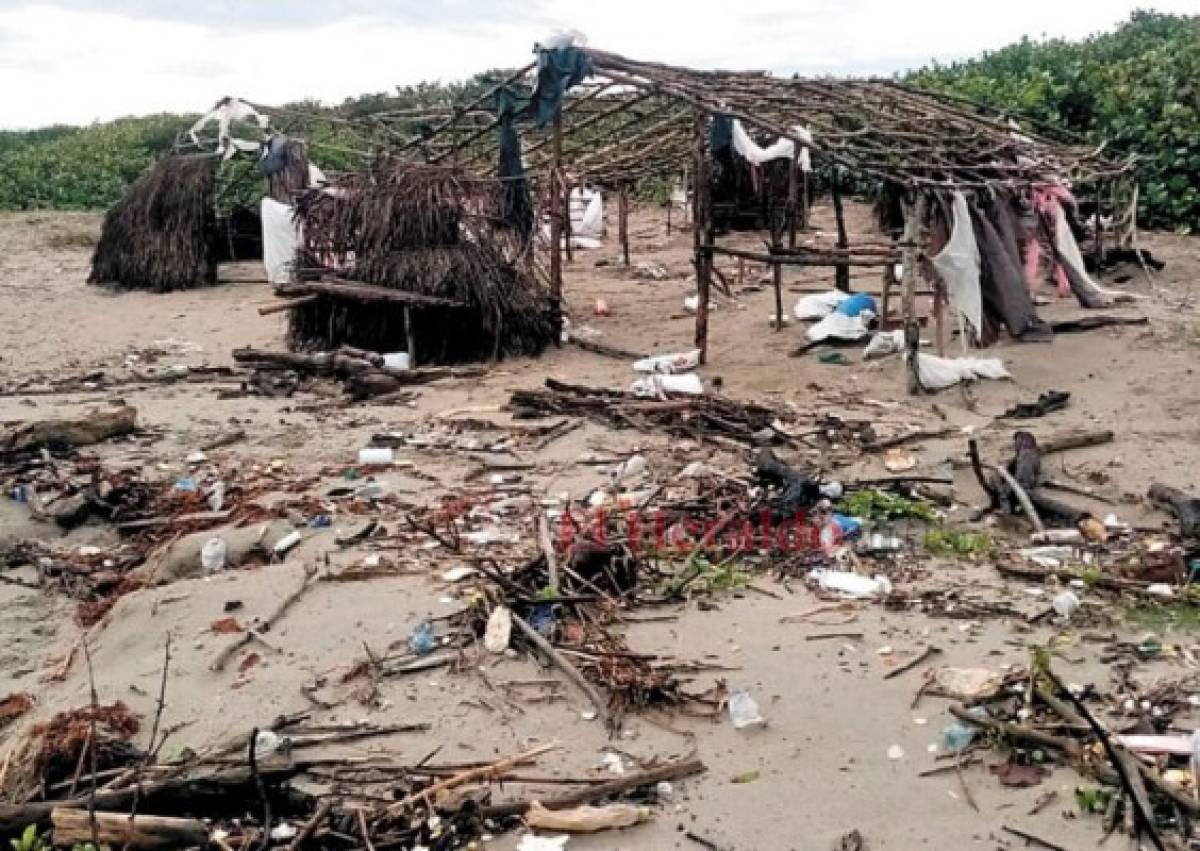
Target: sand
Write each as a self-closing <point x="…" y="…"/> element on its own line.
<point x="822" y="760"/>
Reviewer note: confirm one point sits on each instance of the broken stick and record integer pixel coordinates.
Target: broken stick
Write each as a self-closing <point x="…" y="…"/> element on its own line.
<point x="563" y="665"/>
<point x="242" y="640"/>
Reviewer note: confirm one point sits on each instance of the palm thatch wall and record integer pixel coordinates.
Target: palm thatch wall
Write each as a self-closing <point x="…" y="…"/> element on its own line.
<point x="427" y="230"/>
<point x="161" y="235"/>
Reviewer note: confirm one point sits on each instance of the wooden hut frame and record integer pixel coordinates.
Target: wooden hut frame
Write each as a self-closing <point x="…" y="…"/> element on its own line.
<point x="632" y="120"/>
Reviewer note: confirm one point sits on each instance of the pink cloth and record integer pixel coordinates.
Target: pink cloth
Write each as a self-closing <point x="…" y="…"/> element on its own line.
<point x="1047" y="201"/>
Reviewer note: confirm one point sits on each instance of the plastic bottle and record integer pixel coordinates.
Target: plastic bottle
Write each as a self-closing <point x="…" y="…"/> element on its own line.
<point x="743" y="711"/>
<point x="212" y="555"/>
<point x="421" y="639"/>
<point x="960" y="734"/>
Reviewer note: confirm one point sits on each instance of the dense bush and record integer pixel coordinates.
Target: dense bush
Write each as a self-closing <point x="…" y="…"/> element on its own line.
<point x="1138" y="87"/>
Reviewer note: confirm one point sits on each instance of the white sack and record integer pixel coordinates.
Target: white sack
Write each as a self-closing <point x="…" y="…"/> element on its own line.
<point x="938" y="373"/>
<point x="781" y="148"/>
<point x="818" y="306"/>
<point x="839" y="326"/>
<point x="281" y="235"/>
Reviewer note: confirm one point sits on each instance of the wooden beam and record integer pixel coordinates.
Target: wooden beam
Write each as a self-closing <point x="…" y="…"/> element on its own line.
<point x="702" y="231"/>
<point x="842" y="279"/>
<point x="623" y="222"/>
<point x="356" y="291"/>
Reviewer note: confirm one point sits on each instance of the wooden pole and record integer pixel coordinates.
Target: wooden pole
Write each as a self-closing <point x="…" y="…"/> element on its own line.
<point x="410" y="332"/>
<point x="568" y="228"/>
<point x="702" y="232"/>
<point x="842" y="279"/>
<point x="556" y="215"/>
<point x="911" y="250"/>
<point x="804" y="200"/>
<point x="1098" y="246"/>
<point x="793" y="197"/>
<point x="623" y="221"/>
<point x="777" y="271"/>
<point x="939" y="315"/>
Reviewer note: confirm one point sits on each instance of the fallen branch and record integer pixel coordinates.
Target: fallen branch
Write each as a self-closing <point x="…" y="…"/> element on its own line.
<point x="117" y="830"/>
<point x="564" y="665"/>
<point x="469" y="776"/>
<point x="265" y="626"/>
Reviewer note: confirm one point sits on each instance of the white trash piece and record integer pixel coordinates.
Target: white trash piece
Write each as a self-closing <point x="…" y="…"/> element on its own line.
<point x="1065" y="604"/>
<point x="632" y="466"/>
<point x="657" y="386"/>
<point x="692" y="304"/>
<point x="678" y="362"/>
<point x="371" y="455"/>
<point x="397" y="360"/>
<point x="938" y="373"/>
<point x="533" y="842"/>
<point x="884" y="343"/>
<point x="1160" y="589"/>
<point x="852" y="584"/>
<point x="839" y="326"/>
<point x="499" y="630"/>
<point x="281" y="235"/>
<point x="212" y="555"/>
<point x="286" y="543"/>
<point x="743" y="711"/>
<point x="818" y="306"/>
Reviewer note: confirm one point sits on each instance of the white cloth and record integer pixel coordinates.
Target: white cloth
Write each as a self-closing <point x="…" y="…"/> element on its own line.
<point x="958" y="266"/>
<point x="938" y="373"/>
<point x="781" y="148"/>
<point x="587" y="213"/>
<point x="884" y="343"/>
<point x="819" y="305"/>
<point x="839" y="326"/>
<point x="225" y="112"/>
<point x="281" y="236"/>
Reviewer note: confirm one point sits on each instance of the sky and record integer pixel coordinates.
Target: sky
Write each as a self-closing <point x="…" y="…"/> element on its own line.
<point x="78" y="61"/>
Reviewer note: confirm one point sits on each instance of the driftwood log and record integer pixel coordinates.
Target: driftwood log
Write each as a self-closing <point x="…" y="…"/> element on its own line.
<point x="93" y="427"/>
<point x="73" y="827"/>
<point x="1184" y="506"/>
<point x="354" y="291"/>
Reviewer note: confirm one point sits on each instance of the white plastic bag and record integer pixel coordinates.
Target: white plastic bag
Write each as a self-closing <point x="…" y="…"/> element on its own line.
<point x="818" y="305"/>
<point x="884" y="343"/>
<point x="839" y="326"/>
<point x="852" y="584"/>
<point x="938" y="373"/>
<point x="658" y="386"/>
<point x="958" y="266"/>
<point x="678" y="362"/>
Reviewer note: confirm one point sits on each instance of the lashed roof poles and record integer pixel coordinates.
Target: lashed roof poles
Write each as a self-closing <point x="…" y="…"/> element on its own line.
<point x="702" y="238"/>
<point x="556" y="215"/>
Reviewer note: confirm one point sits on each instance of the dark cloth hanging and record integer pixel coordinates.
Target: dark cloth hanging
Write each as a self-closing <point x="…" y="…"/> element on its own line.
<point x="720" y="133"/>
<point x="1001" y="214"/>
<point x="558" y="69"/>
<point x="1005" y="297"/>
<point x="516" y="206"/>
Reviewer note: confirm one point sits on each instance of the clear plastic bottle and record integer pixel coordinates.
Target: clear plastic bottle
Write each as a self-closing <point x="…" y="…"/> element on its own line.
<point x="743" y="711"/>
<point x="212" y="555"/>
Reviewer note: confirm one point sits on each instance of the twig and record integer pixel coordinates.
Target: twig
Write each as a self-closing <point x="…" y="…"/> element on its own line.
<point x="1044" y="801"/>
<point x="821" y="636"/>
<point x="310" y="826"/>
<point x="1136" y="792"/>
<point x="280" y="610"/>
<point x="469" y="776"/>
<point x="152" y="753"/>
<point x="563" y="665"/>
<point x="262" y="791"/>
<point x="962" y="782"/>
<point x="87" y="655"/>
<point x="366" y="834"/>
<point x="1031" y="839"/>
<point x="927" y="653"/>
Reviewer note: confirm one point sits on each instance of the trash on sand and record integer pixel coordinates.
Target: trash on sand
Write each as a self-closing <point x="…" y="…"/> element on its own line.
<point x="1065" y="604"/>
<point x="1051" y="400"/>
<point x="585" y="819"/>
<point x="287" y="542"/>
<point x="283" y="832"/>
<point x="376" y="455"/>
<point x="422" y="639"/>
<point x="818" y="306"/>
<point x="499" y="630"/>
<point x="1093" y="530"/>
<point x="650" y="271"/>
<point x="397" y="360"/>
<point x="212" y="555"/>
<point x="884" y="343"/>
<point x="632" y="466"/>
<point x="743" y="711"/>
<point x="1160" y="589"/>
<point x="857" y="304"/>
<point x="657" y="386"/>
<point x="966" y="683"/>
<point x="745" y="777"/>
<point x="899" y="460"/>
<point x="938" y="373"/>
<point x="835" y="358"/>
<point x="852" y="584"/>
<point x="895" y="753"/>
<point x="958" y="735"/>
<point x="839" y="326"/>
<point x="671" y="363"/>
<point x="458" y="574"/>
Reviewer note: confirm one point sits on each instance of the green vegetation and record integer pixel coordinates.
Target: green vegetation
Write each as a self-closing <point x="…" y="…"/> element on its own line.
<point x="1138" y="86"/>
<point x="946" y="542"/>
<point x="883" y="505"/>
<point x="29" y="841"/>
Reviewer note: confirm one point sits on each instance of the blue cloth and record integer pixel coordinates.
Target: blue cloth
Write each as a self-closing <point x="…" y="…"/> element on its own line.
<point x="557" y="70"/>
<point x="856" y="304"/>
<point x="516" y="207"/>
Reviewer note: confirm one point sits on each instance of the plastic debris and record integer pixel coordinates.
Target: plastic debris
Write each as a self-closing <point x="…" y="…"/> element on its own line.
<point x="884" y="343"/>
<point x="967" y="683"/>
<point x="852" y="584"/>
<point x="938" y="373"/>
<point x="671" y="363"/>
<point x="213" y="554"/>
<point x="899" y="460"/>
<point x="958" y="735"/>
<point x="287" y="542"/>
<point x="895" y="753"/>
<point x="658" y="386"/>
<point x="422" y="639"/>
<point x="1065" y="604"/>
<point x="819" y="305"/>
<point x="499" y="630"/>
<point x="743" y="711"/>
<point x="376" y="455"/>
<point x="530" y="842"/>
